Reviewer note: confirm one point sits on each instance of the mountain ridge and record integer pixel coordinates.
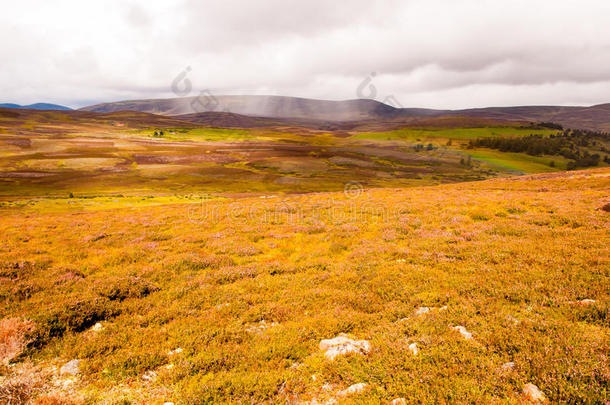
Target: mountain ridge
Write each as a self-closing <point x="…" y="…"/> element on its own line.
<point x="595" y="117"/>
<point x="37" y="106"/>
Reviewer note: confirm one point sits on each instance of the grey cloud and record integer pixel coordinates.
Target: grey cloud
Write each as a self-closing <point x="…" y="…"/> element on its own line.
<point x="455" y="53"/>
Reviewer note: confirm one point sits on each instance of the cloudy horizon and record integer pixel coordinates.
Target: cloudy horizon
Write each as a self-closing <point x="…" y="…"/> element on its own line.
<point x="432" y="54"/>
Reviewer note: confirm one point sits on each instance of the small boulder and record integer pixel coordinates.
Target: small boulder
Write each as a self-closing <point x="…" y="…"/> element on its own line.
<point x="414" y="349"/>
<point x="177" y="350"/>
<point x="508" y="366"/>
<point x="71" y="367"/>
<point x="533" y="393"/>
<point x="98" y="327"/>
<point x="149" y="376"/>
<point x="399" y="401"/>
<point x="584" y="302"/>
<point x="260" y="327"/>
<point x="342" y="345"/>
<point x="328" y="387"/>
<point x="352" y="389"/>
<point x="465" y="334"/>
<point x="422" y="310"/>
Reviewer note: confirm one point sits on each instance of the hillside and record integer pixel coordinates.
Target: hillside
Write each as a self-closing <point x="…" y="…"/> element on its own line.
<point x="54" y="153"/>
<point x="447" y="290"/>
<point x="259" y="106"/>
<point x="595" y="118"/>
<point x="37" y="106"/>
<point x="35" y="122"/>
<point x="216" y="119"/>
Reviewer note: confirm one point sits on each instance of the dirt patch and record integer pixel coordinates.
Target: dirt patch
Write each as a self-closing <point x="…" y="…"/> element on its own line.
<point x="20" y="142"/>
<point x="25" y="175"/>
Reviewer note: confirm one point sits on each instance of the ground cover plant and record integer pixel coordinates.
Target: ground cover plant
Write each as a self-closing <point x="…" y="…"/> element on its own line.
<point x="465" y="293"/>
<point x="57" y="154"/>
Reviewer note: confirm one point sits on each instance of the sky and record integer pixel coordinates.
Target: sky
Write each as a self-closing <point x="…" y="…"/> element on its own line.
<point x="409" y="53"/>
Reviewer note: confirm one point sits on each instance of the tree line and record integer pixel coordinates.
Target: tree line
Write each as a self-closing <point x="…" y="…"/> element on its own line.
<point x="574" y="144"/>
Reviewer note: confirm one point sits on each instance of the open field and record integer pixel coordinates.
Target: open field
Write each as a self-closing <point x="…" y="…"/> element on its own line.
<point x="227" y="300"/>
<point x="459" y="133"/>
<point x="88" y="154"/>
<point x="195" y="264"/>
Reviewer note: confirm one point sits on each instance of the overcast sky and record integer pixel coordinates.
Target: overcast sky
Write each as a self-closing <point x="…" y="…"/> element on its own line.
<point x="424" y="53"/>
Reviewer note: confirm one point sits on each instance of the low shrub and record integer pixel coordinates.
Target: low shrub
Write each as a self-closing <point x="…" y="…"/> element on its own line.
<point x="74" y="317"/>
<point x="121" y="288"/>
<point x="15" y="335"/>
<point x="21" y="386"/>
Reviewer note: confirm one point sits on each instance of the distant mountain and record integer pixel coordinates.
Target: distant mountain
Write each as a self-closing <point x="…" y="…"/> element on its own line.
<point x="280" y="107"/>
<point x="37" y="106"/>
<point x="258" y="106"/>
<point x="232" y="120"/>
<point x="595" y="118"/>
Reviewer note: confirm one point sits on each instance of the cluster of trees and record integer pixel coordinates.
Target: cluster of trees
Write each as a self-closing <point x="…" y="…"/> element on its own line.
<point x="571" y="144"/>
<point x="544" y="125"/>
<point x="158" y="134"/>
<point x="419" y="147"/>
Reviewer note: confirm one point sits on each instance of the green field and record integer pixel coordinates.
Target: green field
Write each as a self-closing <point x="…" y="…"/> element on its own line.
<point x="518" y="162"/>
<point x="451" y="133"/>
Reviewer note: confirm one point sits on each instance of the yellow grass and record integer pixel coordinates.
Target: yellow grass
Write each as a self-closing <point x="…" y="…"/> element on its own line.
<point x="248" y="287"/>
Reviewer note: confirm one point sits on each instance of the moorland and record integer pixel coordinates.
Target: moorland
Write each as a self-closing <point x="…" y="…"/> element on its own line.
<point x="209" y="257"/>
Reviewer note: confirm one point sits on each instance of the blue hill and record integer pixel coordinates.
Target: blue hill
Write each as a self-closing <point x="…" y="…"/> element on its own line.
<point x="37" y="106"/>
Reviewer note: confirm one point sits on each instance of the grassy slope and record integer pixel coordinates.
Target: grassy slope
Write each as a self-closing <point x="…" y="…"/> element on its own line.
<point x="188" y="161"/>
<point x="55" y="153"/>
<point x="519" y="163"/>
<point x="505" y="256"/>
<point x="452" y="133"/>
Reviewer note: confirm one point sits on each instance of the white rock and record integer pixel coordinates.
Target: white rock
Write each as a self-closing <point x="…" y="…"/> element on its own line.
<point x="149" y="376"/>
<point x="331" y="401"/>
<point x="422" y="310"/>
<point x="177" y="350"/>
<point x="533" y="393"/>
<point x="414" y="349"/>
<point x="97" y="327"/>
<point x="352" y="389"/>
<point x="443" y="308"/>
<point x="342" y="345"/>
<point x="71" y="367"/>
<point x="399" y="401"/>
<point x="465" y="334"/>
<point x="586" y="301"/>
<point x="328" y="387"/>
<point x="260" y="327"/>
<point x="508" y="366"/>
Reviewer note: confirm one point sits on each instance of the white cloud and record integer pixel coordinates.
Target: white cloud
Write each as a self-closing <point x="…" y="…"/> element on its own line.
<point x="428" y="53"/>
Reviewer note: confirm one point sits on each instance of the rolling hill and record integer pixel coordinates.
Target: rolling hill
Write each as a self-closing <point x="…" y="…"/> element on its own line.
<point x="262" y="106"/>
<point x="215" y="257"/>
<point x="37" y="106"/>
<point x="461" y="293"/>
<point x="593" y="118"/>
